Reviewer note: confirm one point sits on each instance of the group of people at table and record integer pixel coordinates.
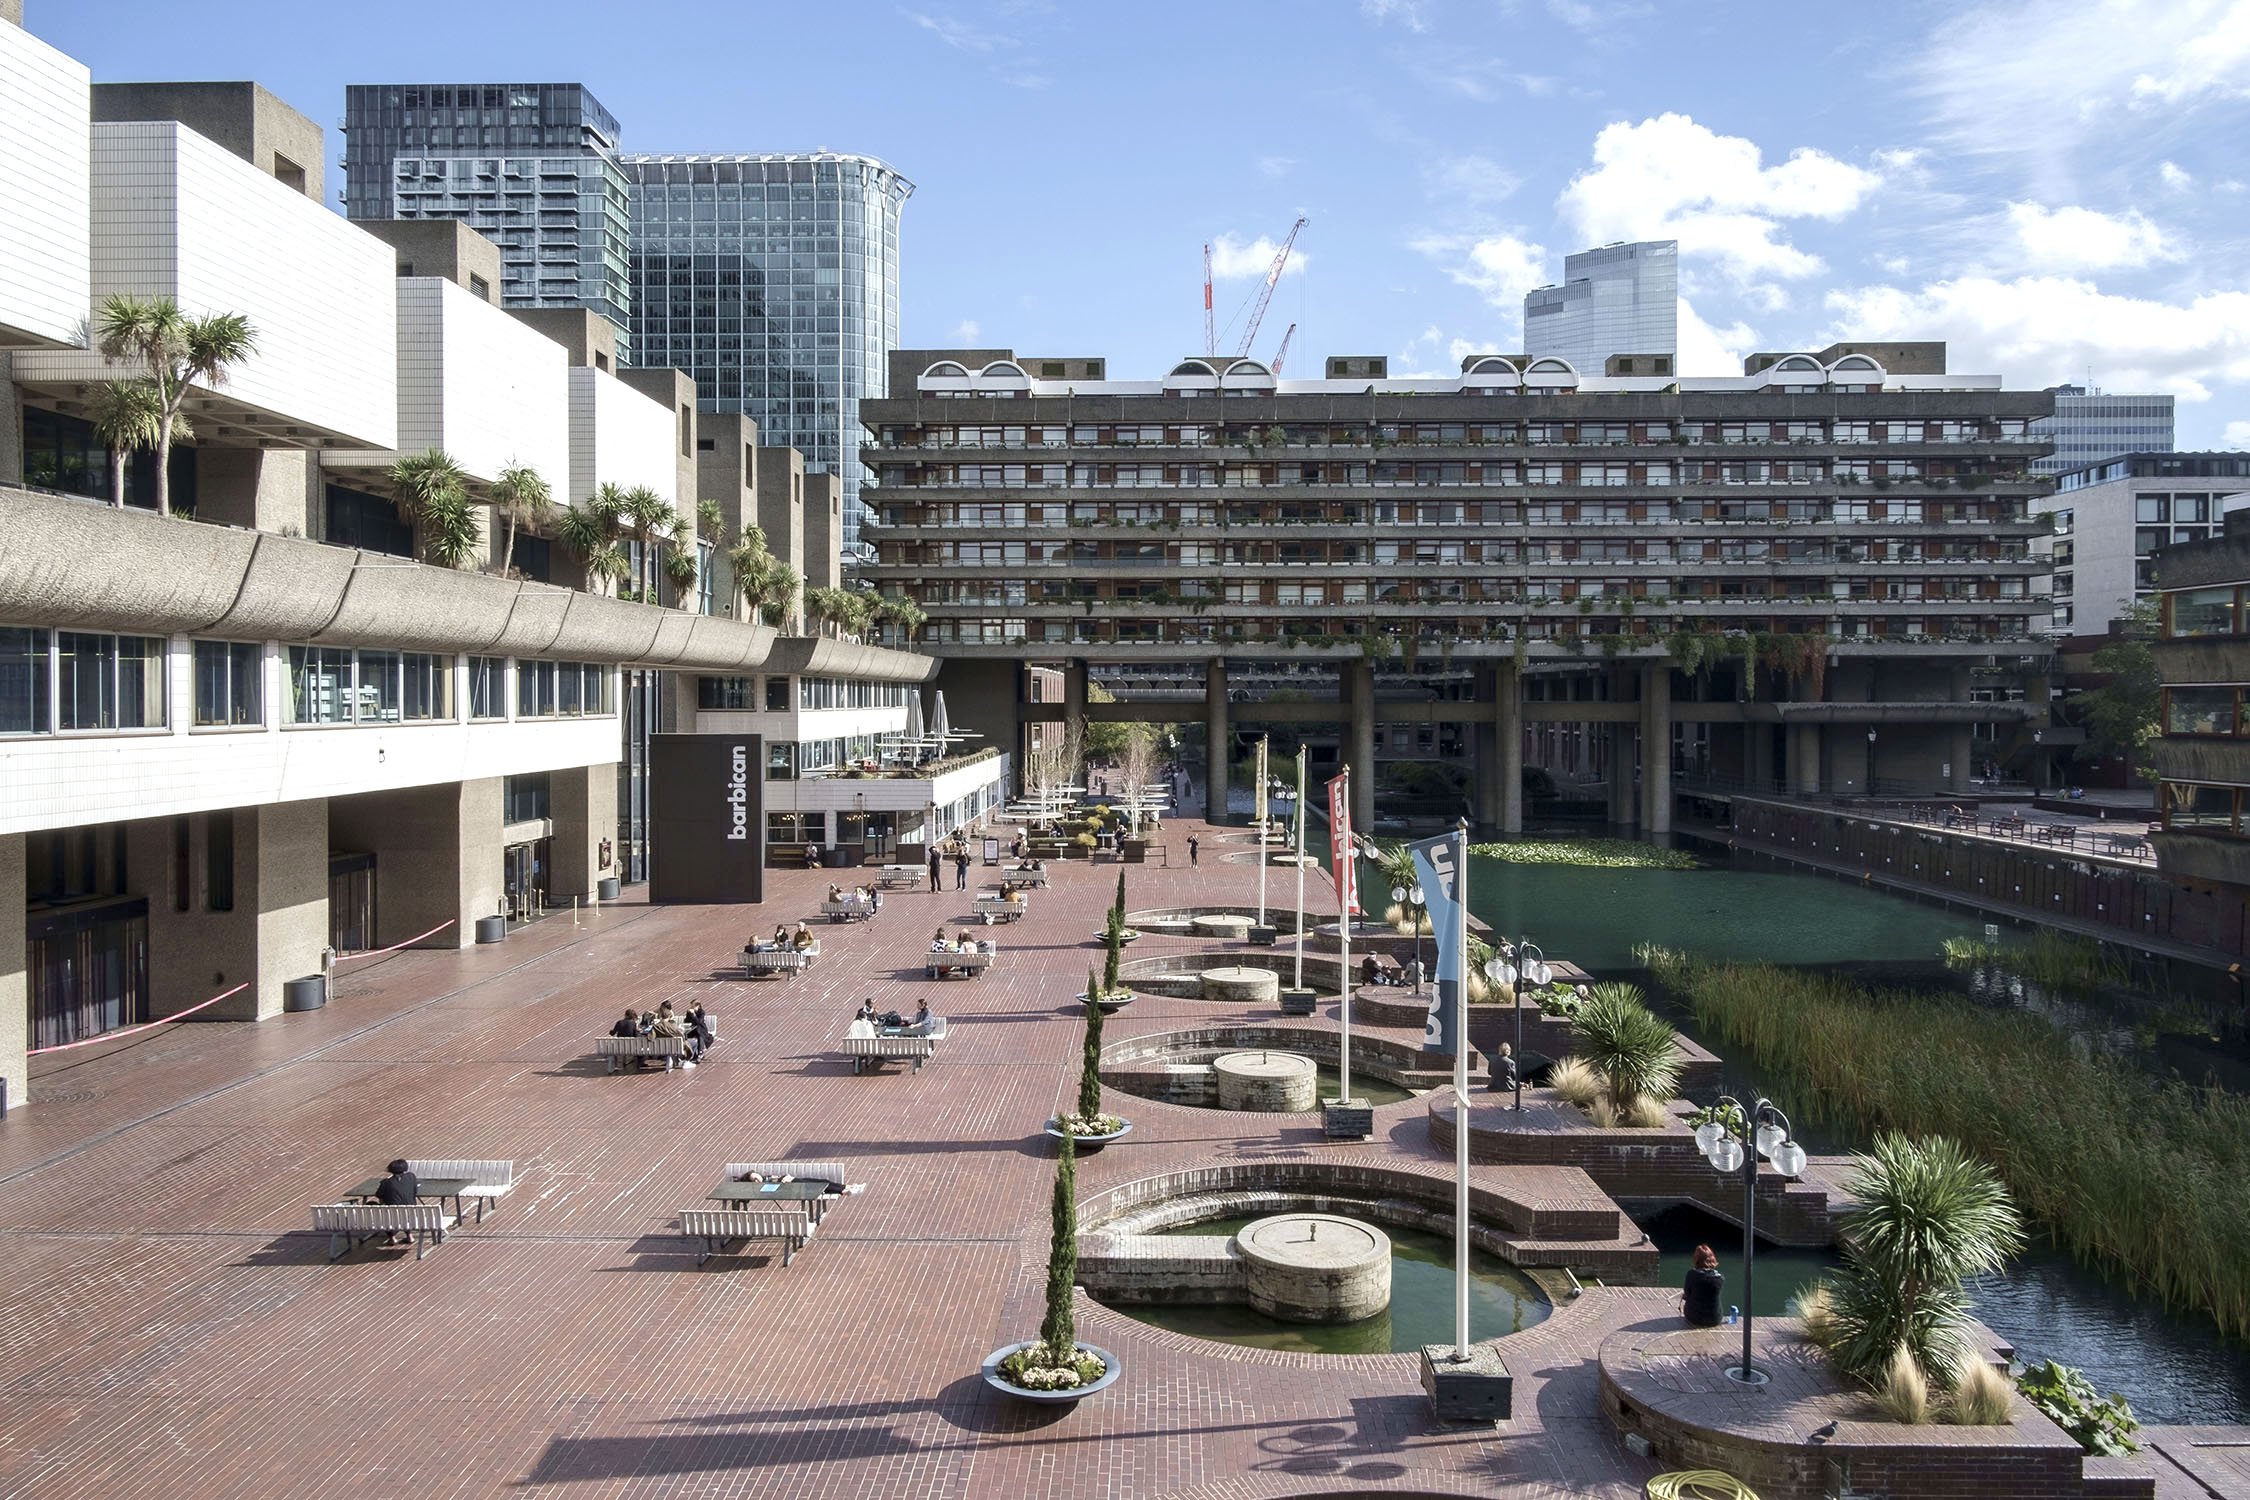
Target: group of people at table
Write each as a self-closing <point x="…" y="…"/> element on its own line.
<point x="870" y="896"/>
<point x="697" y="1027"/>
<point x="801" y="940"/>
<point x="867" y="1021"/>
<point x="940" y="943"/>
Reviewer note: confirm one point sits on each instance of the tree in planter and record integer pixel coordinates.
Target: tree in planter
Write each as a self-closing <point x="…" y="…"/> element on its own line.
<point x="1136" y="762"/>
<point x="523" y="499"/>
<point x="433" y="490"/>
<point x="178" y="352"/>
<point x="1057" y="1362"/>
<point x="128" y="417"/>
<point x="649" y="514"/>
<point x="589" y="533"/>
<point x="1629" y="1045"/>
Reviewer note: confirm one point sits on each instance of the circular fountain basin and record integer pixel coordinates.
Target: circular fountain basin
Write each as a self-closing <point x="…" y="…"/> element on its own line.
<point x="1316" y="1268"/>
<point x="1241" y="984"/>
<point x="1267" y="1081"/>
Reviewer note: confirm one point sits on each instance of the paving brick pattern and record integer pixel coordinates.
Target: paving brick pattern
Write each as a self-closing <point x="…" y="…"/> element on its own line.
<point x="169" y="1326"/>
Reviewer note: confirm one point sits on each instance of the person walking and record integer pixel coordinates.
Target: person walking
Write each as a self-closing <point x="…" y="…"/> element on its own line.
<point x="936" y="869"/>
<point x="961" y="867"/>
<point x="1192" y="847"/>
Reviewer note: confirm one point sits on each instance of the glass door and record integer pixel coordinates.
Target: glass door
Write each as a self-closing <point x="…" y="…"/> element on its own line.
<point x="88" y="971"/>
<point x="351" y="902"/>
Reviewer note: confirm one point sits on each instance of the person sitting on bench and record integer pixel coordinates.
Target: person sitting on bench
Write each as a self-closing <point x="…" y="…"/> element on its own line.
<point x="669" y="1025"/>
<point x="866" y="1012"/>
<point x="399" y="1190"/>
<point x="704" y="1027"/>
<point x="923" y="1023"/>
<point x="802" y="939"/>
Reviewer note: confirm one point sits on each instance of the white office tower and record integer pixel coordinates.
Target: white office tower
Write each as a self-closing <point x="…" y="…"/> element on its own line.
<point x="1619" y="299"/>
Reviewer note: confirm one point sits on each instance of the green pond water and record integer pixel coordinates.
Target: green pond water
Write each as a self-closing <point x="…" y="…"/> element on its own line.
<point x="1501" y="1300"/>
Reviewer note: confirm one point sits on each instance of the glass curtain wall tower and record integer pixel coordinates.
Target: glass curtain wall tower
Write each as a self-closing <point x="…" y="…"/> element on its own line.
<point x="773" y="281"/>
<point x="531" y="166"/>
<point x="1619" y="299"/>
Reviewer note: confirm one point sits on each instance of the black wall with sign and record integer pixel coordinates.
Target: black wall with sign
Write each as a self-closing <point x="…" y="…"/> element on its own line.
<point x="703" y="789"/>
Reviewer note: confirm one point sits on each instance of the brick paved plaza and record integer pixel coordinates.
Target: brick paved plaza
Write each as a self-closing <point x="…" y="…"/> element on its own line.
<point x="170" y="1326"/>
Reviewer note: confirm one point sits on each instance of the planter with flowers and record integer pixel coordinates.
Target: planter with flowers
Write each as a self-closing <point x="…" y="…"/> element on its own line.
<point x="1056" y="1368"/>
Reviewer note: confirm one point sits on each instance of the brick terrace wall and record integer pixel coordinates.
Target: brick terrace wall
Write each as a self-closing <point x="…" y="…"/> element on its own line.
<point x="2035" y="880"/>
<point x="1273" y="1186"/>
<point x="1162" y="1268"/>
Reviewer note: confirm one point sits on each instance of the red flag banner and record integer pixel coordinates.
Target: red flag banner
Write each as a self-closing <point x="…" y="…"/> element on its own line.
<point x="1340" y="855"/>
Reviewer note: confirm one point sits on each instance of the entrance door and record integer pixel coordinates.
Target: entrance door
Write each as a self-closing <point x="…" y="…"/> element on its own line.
<point x="351" y="902"/>
<point x="525" y="879"/>
<point x="88" y="970"/>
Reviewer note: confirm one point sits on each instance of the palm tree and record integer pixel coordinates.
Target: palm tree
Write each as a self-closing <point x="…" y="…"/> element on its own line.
<point x="1630" y="1045"/>
<point x="524" y="499"/>
<point x="648" y="513"/>
<point x="433" y="490"/>
<point x="1926" y="1215"/>
<point x="126" y="417"/>
<point x="179" y="352"/>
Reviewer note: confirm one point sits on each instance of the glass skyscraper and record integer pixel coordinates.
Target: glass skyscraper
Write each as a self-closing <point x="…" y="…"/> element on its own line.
<point x="531" y="166"/>
<point x="2089" y="427"/>
<point x="1619" y="299"/>
<point x="773" y="281"/>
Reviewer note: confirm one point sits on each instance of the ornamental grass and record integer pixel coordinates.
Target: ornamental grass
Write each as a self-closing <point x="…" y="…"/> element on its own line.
<point x="2138" y="1176"/>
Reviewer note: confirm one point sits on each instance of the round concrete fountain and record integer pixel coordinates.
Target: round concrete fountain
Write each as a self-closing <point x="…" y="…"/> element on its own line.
<point x="1316" y="1268"/>
<point x="1287" y="1082"/>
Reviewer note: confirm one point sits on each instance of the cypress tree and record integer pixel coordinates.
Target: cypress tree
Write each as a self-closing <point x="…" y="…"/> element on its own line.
<point x="1059" y="1330"/>
<point x="1090" y="1077"/>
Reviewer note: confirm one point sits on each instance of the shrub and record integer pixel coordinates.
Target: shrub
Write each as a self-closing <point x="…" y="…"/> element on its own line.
<point x="1575" y="1082"/>
<point x="1903" y="1391"/>
<point x="1645" y="1113"/>
<point x="2101" y="1424"/>
<point x="1628" y="1044"/>
<point x="1982" y="1396"/>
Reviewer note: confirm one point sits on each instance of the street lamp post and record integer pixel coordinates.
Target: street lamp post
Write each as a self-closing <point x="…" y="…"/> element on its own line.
<point x="1732" y="1140"/>
<point x="1410" y="897"/>
<point x="1524" y="965"/>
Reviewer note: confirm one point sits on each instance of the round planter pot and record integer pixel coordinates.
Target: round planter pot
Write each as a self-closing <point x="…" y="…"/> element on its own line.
<point x="308" y="993"/>
<point x="492" y="929"/>
<point x="609" y="889"/>
<point x="1111" y="1370"/>
<point x="1130" y="936"/>
<point x="1089" y="1144"/>
<point x="1111" y="1006"/>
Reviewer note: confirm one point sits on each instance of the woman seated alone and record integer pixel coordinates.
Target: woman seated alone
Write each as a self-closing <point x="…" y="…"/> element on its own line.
<point x="1699" y="1293"/>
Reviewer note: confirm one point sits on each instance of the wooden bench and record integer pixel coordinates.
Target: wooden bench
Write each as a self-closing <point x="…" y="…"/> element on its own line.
<point x="869" y="1053"/>
<point x="617" y="1049"/>
<point x="847" y="910"/>
<point x="1000" y="909"/>
<point x="489" y="1180"/>
<point x="717" y="1228"/>
<point x="902" y="877"/>
<point x="767" y="962"/>
<point x="347" y="1224"/>
<point x="950" y="965"/>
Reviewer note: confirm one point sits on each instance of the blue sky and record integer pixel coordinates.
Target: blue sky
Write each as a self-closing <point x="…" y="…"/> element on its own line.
<point x="2051" y="186"/>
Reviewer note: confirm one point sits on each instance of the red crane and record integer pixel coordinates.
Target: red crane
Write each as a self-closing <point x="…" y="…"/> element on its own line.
<point x="1210" y="330"/>
<point x="1283" y="352"/>
<point x="1265" y="293"/>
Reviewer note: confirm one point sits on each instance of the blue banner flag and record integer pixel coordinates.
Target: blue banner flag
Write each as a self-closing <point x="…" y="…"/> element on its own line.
<point x="1437" y="866"/>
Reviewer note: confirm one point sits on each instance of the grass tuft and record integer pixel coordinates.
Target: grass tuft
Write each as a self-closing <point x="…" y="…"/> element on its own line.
<point x="1903" y="1391"/>
<point x="1576" y="1082"/>
<point x="1982" y="1396"/>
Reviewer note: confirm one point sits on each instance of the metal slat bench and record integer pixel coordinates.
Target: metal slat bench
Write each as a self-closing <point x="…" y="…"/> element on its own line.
<point x="869" y="1053"/>
<point x="952" y="965"/>
<point x="1000" y="909"/>
<point x="717" y="1228"/>
<point x="850" y="909"/>
<point x="490" y="1180"/>
<point x="348" y="1224"/>
<point x="901" y="877"/>
<point x="618" y="1049"/>
<point x="772" y="961"/>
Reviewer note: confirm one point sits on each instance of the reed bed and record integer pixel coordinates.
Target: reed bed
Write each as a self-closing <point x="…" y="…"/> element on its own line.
<point x="2051" y="960"/>
<point x="2139" y="1177"/>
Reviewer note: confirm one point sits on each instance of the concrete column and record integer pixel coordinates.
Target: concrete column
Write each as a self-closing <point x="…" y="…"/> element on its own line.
<point x="290" y="858"/>
<point x="1507" y="724"/>
<point x="265" y="489"/>
<point x="1217" y="732"/>
<point x="437" y="856"/>
<point x="1958" y="752"/>
<point x="1359" y="676"/>
<point x="1622" y="803"/>
<point x="1804" y="759"/>
<point x="583" y="807"/>
<point x="1485" y="783"/>
<point x="11" y="472"/>
<point x="1074" y="701"/>
<point x="15" y="986"/>
<point x="1757" y="755"/>
<point x="274" y="920"/>
<point x="1656" y="749"/>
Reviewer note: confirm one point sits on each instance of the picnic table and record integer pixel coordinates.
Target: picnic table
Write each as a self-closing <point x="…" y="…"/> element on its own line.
<point x="848" y="909"/>
<point x="436" y="1189"/>
<point x="897" y="876"/>
<point x="816" y="1195"/>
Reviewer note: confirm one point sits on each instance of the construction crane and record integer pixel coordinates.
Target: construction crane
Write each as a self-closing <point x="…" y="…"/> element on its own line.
<point x="1283" y="352"/>
<point x="1210" y="330"/>
<point x="1265" y="293"/>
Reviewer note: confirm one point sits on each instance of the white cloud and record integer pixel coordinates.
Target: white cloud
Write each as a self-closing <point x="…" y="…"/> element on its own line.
<point x="1501" y="267"/>
<point x="1485" y="79"/>
<point x="2039" y="330"/>
<point x="1407" y="13"/>
<point x="1706" y="350"/>
<point x="1469" y="181"/>
<point x="2176" y="177"/>
<point x="966" y="333"/>
<point x="2237" y="435"/>
<point x="956" y="33"/>
<point x="1276" y="166"/>
<point x="1418" y="358"/>
<point x="2084" y="239"/>
<point x="1235" y="260"/>
<point x="1671" y="178"/>
<point x="1893" y="265"/>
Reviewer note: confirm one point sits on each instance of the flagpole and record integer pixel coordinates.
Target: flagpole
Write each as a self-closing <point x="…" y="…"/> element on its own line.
<point x="1264" y="740"/>
<point x="1300" y="980"/>
<point x="1348" y="883"/>
<point x="1461" y="1093"/>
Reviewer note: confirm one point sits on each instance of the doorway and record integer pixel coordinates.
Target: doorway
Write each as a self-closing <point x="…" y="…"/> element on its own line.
<point x="524" y="879"/>
<point x="88" y="970"/>
<point x="351" y="902"/>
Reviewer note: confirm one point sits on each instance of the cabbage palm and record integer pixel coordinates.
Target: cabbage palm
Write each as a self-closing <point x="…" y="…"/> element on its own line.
<point x="433" y="489"/>
<point x="179" y="352"/>
<point x="523" y="498"/>
<point x="1925" y="1216"/>
<point x="1630" y="1045"/>
<point x="126" y="417"/>
<point x="589" y="533"/>
<point x="648" y="513"/>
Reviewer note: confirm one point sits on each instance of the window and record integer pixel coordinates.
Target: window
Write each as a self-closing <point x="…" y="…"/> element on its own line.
<point x="108" y="681"/>
<point x="488" y="687"/>
<point x="535" y="689"/>
<point x="2203" y="710"/>
<point x="794" y="828"/>
<point x="229" y="684"/>
<point x="777" y="695"/>
<point x="320" y="685"/>
<point x="218" y="862"/>
<point x="2207" y="611"/>
<point x="524" y="798"/>
<point x="2209" y="809"/>
<point x="726" y="693"/>
<point x="376" y="697"/>
<point x="26" y="681"/>
<point x="428" y="686"/>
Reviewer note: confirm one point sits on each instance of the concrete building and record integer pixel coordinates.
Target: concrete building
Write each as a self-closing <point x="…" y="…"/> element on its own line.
<point x="230" y="750"/>
<point x="1816" y="575"/>
<point x="773" y="280"/>
<point x="2090" y="427"/>
<point x="2202" y="753"/>
<point x="2111" y="519"/>
<point x="1618" y="300"/>
<point x="531" y="166"/>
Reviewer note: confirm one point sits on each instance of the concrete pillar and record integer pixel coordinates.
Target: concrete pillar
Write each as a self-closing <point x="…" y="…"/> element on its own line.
<point x="1074" y="702"/>
<point x="1622" y="803"/>
<point x="1656" y="749"/>
<point x="15" y="985"/>
<point x="437" y="857"/>
<point x="582" y="804"/>
<point x="264" y="489"/>
<point x="1507" y="724"/>
<point x="1804" y="759"/>
<point x="11" y="472"/>
<point x="1485" y="782"/>
<point x="1757" y="755"/>
<point x="259" y="920"/>
<point x="1217" y="734"/>
<point x="1957" y="755"/>
<point x="1359" y="677"/>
